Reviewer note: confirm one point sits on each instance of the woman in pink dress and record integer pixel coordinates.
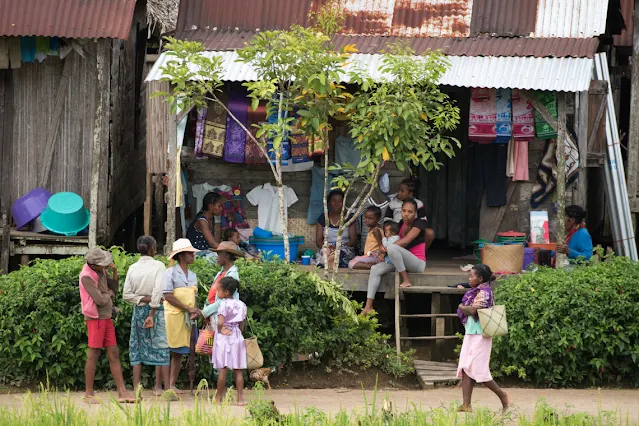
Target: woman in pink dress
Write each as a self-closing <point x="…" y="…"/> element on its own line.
<point x="229" y="349"/>
<point x="474" y="358"/>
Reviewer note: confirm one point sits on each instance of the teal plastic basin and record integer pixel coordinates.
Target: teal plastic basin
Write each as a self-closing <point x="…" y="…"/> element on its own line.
<point x="65" y="214"/>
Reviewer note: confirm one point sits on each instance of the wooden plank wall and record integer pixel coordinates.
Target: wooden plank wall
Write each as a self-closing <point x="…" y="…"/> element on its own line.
<point x="33" y="91"/>
<point x="127" y="146"/>
<point x="157" y="117"/>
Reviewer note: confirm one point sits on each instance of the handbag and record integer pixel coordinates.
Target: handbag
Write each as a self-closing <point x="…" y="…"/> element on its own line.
<point x="493" y="321"/>
<point x="204" y="345"/>
<point x="254" y="358"/>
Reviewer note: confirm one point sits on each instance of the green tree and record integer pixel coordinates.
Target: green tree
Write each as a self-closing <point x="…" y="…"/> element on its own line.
<point x="403" y="117"/>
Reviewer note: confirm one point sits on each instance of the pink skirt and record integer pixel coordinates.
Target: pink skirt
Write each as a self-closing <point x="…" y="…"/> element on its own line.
<point x="474" y="358"/>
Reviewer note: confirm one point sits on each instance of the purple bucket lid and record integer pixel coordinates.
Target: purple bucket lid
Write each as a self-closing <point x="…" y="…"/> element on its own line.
<point x="29" y="206"/>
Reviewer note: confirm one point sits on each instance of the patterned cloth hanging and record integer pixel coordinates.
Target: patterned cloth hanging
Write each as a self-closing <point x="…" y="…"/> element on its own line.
<point x="252" y="153"/>
<point x="543" y="130"/>
<point x="504" y="115"/>
<point x="235" y="141"/>
<point x="523" y="117"/>
<point x="215" y="128"/>
<point x="482" y="120"/>
<point x="547" y="174"/>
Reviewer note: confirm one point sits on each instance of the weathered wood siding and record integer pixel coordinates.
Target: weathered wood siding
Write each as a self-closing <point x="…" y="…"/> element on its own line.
<point x="157" y="118"/>
<point x="33" y="89"/>
<point x="127" y="142"/>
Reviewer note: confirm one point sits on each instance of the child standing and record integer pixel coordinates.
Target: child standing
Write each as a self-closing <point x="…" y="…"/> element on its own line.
<point x="229" y="349"/>
<point x="373" y="245"/>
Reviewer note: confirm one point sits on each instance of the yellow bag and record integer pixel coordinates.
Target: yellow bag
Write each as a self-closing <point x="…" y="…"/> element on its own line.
<point x="493" y="321"/>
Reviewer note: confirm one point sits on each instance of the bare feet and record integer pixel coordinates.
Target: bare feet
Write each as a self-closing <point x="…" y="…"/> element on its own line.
<point x="241" y="403"/>
<point x="465" y="409"/>
<point x="127" y="399"/>
<point x="405" y="284"/>
<point x="157" y="392"/>
<point x="90" y="399"/>
<point x="178" y="391"/>
<point x="505" y="402"/>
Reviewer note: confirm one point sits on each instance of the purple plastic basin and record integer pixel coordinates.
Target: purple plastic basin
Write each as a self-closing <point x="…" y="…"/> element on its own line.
<point x="30" y="206"/>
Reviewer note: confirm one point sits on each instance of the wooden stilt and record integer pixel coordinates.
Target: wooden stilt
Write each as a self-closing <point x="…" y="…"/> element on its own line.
<point x="148" y="208"/>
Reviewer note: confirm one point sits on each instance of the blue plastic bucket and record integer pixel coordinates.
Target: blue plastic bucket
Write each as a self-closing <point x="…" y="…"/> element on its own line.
<point x="272" y="247"/>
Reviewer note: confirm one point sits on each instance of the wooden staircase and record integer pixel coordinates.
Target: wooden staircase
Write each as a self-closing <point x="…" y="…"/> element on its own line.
<point x="429" y="373"/>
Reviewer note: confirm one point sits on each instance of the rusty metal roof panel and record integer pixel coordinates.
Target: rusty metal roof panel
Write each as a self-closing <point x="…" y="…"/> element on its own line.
<point x="467" y="46"/>
<point x="409" y="18"/>
<point x="562" y="74"/>
<point x="504" y="18"/>
<point x="625" y="38"/>
<point x="571" y="18"/>
<point x="67" y="18"/>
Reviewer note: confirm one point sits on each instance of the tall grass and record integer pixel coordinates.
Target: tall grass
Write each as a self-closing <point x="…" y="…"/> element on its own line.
<point x="52" y="408"/>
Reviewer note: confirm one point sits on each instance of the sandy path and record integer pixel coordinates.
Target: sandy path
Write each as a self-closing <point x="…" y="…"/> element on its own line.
<point x="626" y="402"/>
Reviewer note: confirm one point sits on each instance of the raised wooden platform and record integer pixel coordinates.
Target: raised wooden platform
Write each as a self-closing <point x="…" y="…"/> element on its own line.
<point x="430" y="373"/>
<point x="33" y="243"/>
<point x="439" y="274"/>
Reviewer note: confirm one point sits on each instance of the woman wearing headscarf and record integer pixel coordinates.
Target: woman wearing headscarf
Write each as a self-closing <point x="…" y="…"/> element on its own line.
<point x="578" y="243"/>
<point x="474" y="358"/>
<point x="143" y="289"/>
<point x="180" y="308"/>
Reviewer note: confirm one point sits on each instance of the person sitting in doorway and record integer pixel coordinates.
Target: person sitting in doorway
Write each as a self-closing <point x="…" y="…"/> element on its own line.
<point x="349" y="237"/>
<point x="200" y="232"/>
<point x="408" y="254"/>
<point x="578" y="242"/>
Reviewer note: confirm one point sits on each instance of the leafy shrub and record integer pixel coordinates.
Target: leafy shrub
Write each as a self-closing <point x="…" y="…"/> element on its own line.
<point x="571" y="328"/>
<point x="43" y="333"/>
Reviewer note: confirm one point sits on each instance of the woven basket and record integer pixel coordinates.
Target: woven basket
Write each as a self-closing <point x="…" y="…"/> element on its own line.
<point x="508" y="259"/>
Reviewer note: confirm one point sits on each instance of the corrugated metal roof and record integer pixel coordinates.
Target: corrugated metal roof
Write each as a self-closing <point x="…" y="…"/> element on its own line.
<point x="625" y="38"/>
<point x="408" y="18"/>
<point x="67" y="18"/>
<point x="561" y="74"/>
<point x="504" y="18"/>
<point x="468" y="46"/>
<point x="571" y="18"/>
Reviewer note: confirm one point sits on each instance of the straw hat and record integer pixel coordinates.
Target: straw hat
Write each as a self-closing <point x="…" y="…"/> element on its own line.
<point x="229" y="247"/>
<point x="182" y="245"/>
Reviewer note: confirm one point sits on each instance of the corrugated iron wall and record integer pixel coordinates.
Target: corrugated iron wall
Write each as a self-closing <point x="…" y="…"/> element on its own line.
<point x="504" y="18"/>
<point x="571" y="18"/>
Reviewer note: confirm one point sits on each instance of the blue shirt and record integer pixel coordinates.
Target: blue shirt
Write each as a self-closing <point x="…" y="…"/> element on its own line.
<point x="580" y="245"/>
<point x="176" y="278"/>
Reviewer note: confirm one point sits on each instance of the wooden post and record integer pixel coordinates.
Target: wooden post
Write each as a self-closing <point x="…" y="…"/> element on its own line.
<point x="148" y="208"/>
<point x="435" y="325"/>
<point x="6" y="154"/>
<point x="100" y="129"/>
<point x="633" y="131"/>
<point x="581" y="116"/>
<point x="172" y="169"/>
<point x="561" y="171"/>
<point x="398" y="341"/>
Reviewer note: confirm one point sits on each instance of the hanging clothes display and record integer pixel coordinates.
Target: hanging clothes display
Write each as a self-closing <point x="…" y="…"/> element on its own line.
<point x="199" y="131"/>
<point x="523" y="117"/>
<point x="483" y="116"/>
<point x="299" y="148"/>
<point x="504" y="115"/>
<point x="345" y="151"/>
<point x="543" y="130"/>
<point x="28" y="48"/>
<point x="235" y="141"/>
<point x="233" y="215"/>
<point x="215" y="128"/>
<point x="252" y="153"/>
<point x="266" y="198"/>
<point x="547" y="172"/>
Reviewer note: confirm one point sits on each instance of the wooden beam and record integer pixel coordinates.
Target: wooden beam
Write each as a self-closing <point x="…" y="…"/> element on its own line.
<point x="581" y="118"/>
<point x="561" y="171"/>
<point x="47" y="157"/>
<point x="100" y="129"/>
<point x="633" y="131"/>
<point x="5" y="163"/>
<point x="148" y="208"/>
<point x="547" y="116"/>
<point x="398" y="342"/>
<point x="172" y="170"/>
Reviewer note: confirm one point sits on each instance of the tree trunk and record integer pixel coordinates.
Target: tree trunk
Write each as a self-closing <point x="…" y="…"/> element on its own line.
<point x="561" y="173"/>
<point x="280" y="185"/>
<point x="327" y="219"/>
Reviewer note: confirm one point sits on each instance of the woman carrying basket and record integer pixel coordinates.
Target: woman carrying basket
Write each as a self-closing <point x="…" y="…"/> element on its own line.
<point x="474" y="358"/>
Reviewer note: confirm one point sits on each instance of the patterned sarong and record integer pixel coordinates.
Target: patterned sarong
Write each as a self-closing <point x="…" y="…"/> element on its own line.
<point x="145" y="345"/>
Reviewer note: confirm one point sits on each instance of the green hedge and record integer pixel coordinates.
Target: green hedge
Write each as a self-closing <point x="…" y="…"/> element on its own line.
<point x="571" y="328"/>
<point x="43" y="335"/>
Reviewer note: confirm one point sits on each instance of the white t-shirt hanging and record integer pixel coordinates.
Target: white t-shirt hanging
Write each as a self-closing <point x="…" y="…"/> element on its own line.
<point x="268" y="205"/>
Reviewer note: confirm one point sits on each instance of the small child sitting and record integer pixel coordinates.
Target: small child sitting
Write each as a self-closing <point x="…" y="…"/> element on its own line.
<point x="391" y="236"/>
<point x="233" y="235"/>
<point x="373" y="245"/>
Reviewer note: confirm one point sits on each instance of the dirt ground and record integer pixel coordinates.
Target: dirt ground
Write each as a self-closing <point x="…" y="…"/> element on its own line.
<point x="625" y="402"/>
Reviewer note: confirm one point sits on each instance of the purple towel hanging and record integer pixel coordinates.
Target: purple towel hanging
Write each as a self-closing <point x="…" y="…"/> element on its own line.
<point x="235" y="143"/>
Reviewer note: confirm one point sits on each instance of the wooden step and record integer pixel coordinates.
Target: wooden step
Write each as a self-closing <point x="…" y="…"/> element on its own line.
<point x="427" y="315"/>
<point x="429" y="290"/>
<point x="430" y="373"/>
<point x="428" y="338"/>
